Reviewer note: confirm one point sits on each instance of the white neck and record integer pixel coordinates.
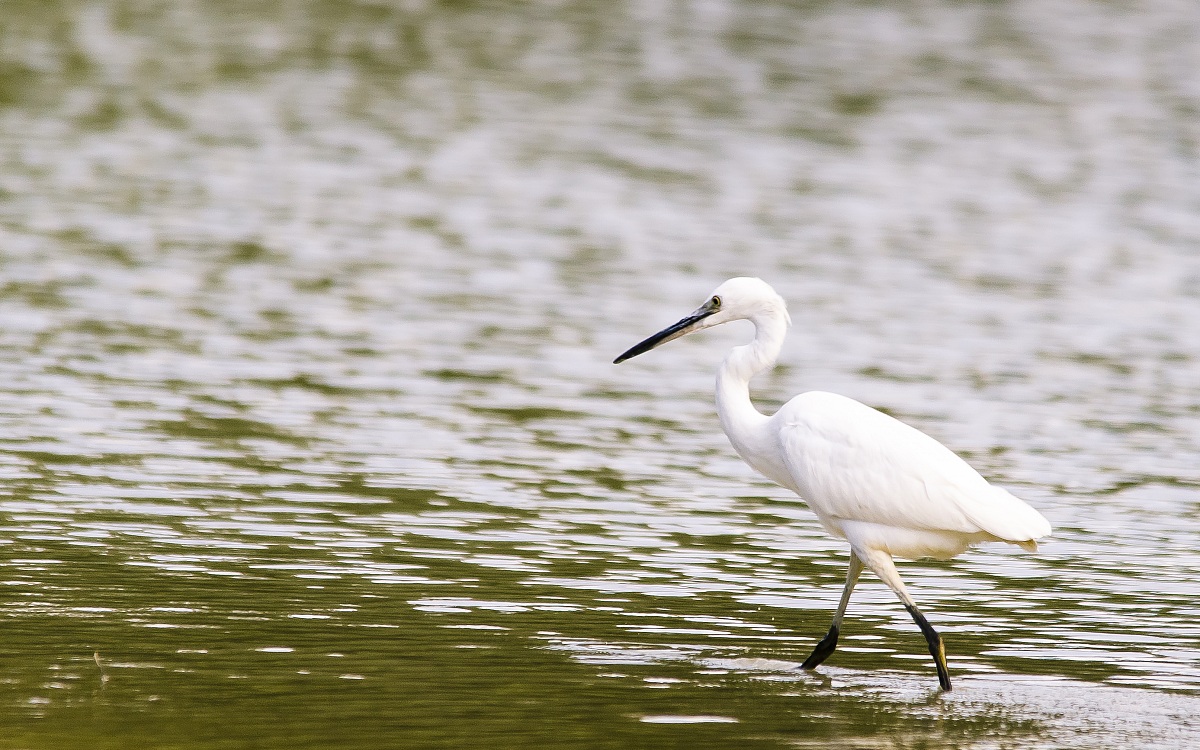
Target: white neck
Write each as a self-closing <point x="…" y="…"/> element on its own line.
<point x="742" y="423"/>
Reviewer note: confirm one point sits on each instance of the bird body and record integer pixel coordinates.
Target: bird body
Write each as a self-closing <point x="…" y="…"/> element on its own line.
<point x="880" y="484"/>
<point x="843" y="457"/>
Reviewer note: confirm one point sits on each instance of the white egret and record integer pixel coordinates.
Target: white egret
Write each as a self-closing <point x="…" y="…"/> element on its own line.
<point x="883" y="486"/>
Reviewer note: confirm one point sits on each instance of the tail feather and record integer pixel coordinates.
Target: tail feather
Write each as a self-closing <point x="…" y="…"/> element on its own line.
<point x="1012" y="519"/>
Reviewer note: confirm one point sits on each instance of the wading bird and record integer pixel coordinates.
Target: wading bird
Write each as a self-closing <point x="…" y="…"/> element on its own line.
<point x="883" y="486"/>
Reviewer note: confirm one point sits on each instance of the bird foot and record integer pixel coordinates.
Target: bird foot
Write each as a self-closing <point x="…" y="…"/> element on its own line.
<point x="937" y="647"/>
<point x="822" y="650"/>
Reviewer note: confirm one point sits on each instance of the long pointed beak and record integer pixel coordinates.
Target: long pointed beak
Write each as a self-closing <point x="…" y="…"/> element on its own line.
<point x="670" y="333"/>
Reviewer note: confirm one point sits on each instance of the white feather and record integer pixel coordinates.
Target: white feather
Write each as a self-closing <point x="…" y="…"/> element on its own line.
<point x="854" y="464"/>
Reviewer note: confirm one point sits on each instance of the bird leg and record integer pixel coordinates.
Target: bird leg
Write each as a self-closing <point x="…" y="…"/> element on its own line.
<point x="881" y="565"/>
<point x="829" y="642"/>
<point x="937" y="649"/>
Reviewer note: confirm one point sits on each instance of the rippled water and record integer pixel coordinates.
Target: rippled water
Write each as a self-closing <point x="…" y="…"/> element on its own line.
<point x="310" y="435"/>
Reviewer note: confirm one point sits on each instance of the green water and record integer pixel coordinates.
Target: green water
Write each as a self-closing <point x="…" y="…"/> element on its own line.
<point x="309" y="434"/>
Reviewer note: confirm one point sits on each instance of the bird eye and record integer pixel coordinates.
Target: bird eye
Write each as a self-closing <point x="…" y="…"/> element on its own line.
<point x="716" y="302"/>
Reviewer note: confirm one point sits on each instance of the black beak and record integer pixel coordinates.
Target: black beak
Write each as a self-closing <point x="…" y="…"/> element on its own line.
<point x="682" y="328"/>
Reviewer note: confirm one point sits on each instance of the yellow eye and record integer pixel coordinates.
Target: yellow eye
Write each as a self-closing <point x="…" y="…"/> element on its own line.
<point x="716" y="302"/>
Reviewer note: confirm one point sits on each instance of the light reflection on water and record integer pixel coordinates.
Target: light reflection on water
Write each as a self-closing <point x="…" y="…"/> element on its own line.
<point x="308" y="410"/>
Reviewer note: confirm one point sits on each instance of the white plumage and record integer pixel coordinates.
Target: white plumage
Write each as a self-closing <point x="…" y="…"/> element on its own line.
<point x="883" y="486"/>
<point x="861" y="469"/>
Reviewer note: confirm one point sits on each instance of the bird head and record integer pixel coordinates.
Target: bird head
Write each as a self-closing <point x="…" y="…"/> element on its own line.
<point x="741" y="298"/>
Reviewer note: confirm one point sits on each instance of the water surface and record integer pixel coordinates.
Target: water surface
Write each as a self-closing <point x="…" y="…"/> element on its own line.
<point x="310" y="435"/>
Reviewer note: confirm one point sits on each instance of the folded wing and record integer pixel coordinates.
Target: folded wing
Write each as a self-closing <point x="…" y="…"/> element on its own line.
<point x="853" y="463"/>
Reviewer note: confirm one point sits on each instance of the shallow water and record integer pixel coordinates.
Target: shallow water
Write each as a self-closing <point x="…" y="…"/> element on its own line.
<point x="310" y="436"/>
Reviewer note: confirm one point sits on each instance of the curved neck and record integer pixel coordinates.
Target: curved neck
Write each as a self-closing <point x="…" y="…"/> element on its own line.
<point x="737" y="413"/>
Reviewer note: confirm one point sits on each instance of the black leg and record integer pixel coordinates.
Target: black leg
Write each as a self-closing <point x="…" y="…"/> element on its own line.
<point x="937" y="649"/>
<point x="823" y="649"/>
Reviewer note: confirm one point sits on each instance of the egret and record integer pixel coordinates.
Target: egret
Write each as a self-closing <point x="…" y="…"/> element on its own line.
<point x="887" y="488"/>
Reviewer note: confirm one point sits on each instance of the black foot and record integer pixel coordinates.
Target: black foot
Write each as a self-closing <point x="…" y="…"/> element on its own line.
<point x="823" y="649"/>
<point x="937" y="649"/>
<point x="939" y="658"/>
